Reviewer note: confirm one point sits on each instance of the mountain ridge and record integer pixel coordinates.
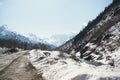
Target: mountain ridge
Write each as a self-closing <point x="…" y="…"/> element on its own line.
<point x="100" y="38"/>
<point x="86" y="31"/>
<point x="53" y="41"/>
<point x="13" y="39"/>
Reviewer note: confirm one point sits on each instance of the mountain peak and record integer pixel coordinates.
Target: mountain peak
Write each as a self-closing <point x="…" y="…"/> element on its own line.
<point x="3" y="27"/>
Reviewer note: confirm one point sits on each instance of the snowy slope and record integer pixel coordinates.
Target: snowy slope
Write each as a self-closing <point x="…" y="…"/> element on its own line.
<point x="97" y="43"/>
<point x="95" y="30"/>
<point x="56" y="65"/>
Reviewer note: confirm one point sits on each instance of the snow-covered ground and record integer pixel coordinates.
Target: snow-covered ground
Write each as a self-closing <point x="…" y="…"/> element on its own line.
<point x="54" y="65"/>
<point x="60" y="66"/>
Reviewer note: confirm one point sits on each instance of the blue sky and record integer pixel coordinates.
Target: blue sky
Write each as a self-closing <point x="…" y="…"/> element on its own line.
<point x="47" y="17"/>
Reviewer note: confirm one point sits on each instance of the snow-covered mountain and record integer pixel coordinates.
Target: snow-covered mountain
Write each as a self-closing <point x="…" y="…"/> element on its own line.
<point x="59" y="39"/>
<point x="53" y="41"/>
<point x="13" y="39"/>
<point x="5" y="33"/>
<point x="100" y="38"/>
<point x="34" y="38"/>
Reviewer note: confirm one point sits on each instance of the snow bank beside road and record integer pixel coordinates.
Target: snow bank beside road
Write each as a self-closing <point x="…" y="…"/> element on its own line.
<point x="60" y="66"/>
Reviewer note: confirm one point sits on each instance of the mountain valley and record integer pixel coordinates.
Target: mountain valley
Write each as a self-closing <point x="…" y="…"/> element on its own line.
<point x="93" y="54"/>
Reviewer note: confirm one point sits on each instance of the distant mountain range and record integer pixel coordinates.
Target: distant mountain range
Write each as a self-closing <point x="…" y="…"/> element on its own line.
<point x="53" y="41"/>
<point x="59" y="39"/>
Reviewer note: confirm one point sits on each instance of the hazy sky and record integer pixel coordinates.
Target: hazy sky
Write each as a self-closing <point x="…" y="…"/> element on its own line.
<point x="47" y="17"/>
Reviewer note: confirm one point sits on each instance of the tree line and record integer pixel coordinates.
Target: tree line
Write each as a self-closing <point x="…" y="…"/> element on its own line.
<point x="9" y="43"/>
